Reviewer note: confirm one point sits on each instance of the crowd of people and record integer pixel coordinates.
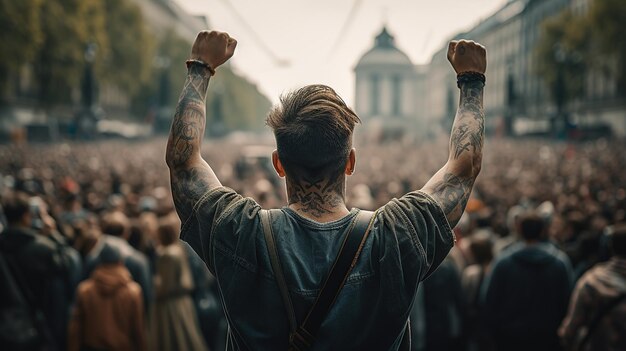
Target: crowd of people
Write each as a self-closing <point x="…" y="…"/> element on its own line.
<point x="90" y="244"/>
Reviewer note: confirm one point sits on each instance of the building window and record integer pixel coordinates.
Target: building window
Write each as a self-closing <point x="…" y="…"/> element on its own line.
<point x="375" y="95"/>
<point x="396" y="95"/>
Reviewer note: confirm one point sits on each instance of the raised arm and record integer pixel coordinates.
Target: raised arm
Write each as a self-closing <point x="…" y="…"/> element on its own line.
<point x="190" y="175"/>
<point x="452" y="184"/>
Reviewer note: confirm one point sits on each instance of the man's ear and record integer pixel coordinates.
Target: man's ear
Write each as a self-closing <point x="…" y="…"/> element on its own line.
<point x="277" y="165"/>
<point x="351" y="162"/>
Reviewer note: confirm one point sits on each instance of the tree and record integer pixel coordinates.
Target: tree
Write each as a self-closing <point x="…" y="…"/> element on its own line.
<point x="237" y="103"/>
<point x="67" y="26"/>
<point x="607" y="20"/>
<point x="233" y="103"/>
<point x="562" y="58"/>
<point x="166" y="75"/>
<point x="129" y="63"/>
<point x="20" y="35"/>
<point x="50" y="40"/>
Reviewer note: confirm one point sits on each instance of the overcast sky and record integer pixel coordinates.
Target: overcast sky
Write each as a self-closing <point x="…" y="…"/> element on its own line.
<point x="285" y="44"/>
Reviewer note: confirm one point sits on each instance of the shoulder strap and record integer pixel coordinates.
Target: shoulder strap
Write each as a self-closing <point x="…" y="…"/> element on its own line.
<point x="348" y="255"/>
<point x="266" y="221"/>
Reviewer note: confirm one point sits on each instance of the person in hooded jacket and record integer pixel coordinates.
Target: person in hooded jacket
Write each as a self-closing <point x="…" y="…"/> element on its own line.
<point x="596" y="319"/>
<point x="528" y="291"/>
<point x="109" y="311"/>
<point x="115" y="231"/>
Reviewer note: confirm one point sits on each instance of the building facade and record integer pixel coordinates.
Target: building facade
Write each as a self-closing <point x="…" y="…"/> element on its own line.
<point x="513" y="90"/>
<point x="517" y="100"/>
<point x="388" y="85"/>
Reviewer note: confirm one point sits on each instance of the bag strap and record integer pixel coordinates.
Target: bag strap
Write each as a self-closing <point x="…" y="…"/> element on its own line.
<point x="272" y="250"/>
<point x="348" y="255"/>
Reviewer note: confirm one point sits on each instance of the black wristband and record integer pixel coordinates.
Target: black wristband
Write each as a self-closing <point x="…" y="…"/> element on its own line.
<point x="467" y="77"/>
<point x="202" y="64"/>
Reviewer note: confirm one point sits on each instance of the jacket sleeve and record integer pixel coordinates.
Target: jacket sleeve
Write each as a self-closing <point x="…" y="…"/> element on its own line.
<point x="219" y="205"/>
<point x="421" y="229"/>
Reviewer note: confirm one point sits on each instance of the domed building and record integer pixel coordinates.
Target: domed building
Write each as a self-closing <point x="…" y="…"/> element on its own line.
<point x="387" y="84"/>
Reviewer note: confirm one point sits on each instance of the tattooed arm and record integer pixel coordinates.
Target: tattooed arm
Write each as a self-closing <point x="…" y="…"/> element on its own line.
<point x="190" y="175"/>
<point x="451" y="185"/>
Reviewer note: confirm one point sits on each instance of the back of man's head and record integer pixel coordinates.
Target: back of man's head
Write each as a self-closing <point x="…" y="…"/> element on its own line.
<point x="313" y="129"/>
<point x="618" y="240"/>
<point x="532" y="226"/>
<point x="16" y="206"/>
<point x="481" y="247"/>
<point x="167" y="232"/>
<point x="117" y="224"/>
<point x="110" y="255"/>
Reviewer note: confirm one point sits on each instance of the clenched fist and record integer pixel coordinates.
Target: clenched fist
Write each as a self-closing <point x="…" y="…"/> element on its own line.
<point x="213" y="48"/>
<point x="467" y="56"/>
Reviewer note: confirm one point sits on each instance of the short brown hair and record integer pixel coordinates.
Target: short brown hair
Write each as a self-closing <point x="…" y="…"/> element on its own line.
<point x="167" y="232"/>
<point x="313" y="129"/>
<point x="481" y="247"/>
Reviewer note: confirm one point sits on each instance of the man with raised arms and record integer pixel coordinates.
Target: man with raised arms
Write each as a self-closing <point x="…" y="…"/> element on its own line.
<point x="405" y="241"/>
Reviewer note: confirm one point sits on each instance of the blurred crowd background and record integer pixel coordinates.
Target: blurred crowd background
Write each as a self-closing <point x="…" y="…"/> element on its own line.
<point x="94" y="205"/>
<point x="89" y="251"/>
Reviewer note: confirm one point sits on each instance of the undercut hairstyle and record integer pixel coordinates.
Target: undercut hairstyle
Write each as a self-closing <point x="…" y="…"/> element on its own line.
<point x="532" y="227"/>
<point x="313" y="129"/>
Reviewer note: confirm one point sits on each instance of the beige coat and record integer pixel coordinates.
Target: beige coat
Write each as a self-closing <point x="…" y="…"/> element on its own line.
<point x="175" y="324"/>
<point x="109" y="312"/>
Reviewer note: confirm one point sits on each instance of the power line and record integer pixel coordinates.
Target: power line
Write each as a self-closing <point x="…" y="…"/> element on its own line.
<point x="346" y="25"/>
<point x="277" y="60"/>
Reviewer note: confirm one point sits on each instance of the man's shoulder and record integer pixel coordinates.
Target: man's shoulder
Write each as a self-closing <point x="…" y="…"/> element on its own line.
<point x="545" y="255"/>
<point x="129" y="253"/>
<point x="35" y="250"/>
<point x="18" y="238"/>
<point x="86" y="287"/>
<point x="133" y="289"/>
<point x="223" y="205"/>
<point x="602" y="275"/>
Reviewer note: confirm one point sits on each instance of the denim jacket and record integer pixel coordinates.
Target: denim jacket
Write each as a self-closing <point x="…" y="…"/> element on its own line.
<point x="408" y="240"/>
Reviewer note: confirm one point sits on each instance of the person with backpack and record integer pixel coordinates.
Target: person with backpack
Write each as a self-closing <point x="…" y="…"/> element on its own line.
<point x="314" y="274"/>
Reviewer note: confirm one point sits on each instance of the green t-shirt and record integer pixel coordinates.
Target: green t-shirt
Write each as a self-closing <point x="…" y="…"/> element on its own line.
<point x="408" y="240"/>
